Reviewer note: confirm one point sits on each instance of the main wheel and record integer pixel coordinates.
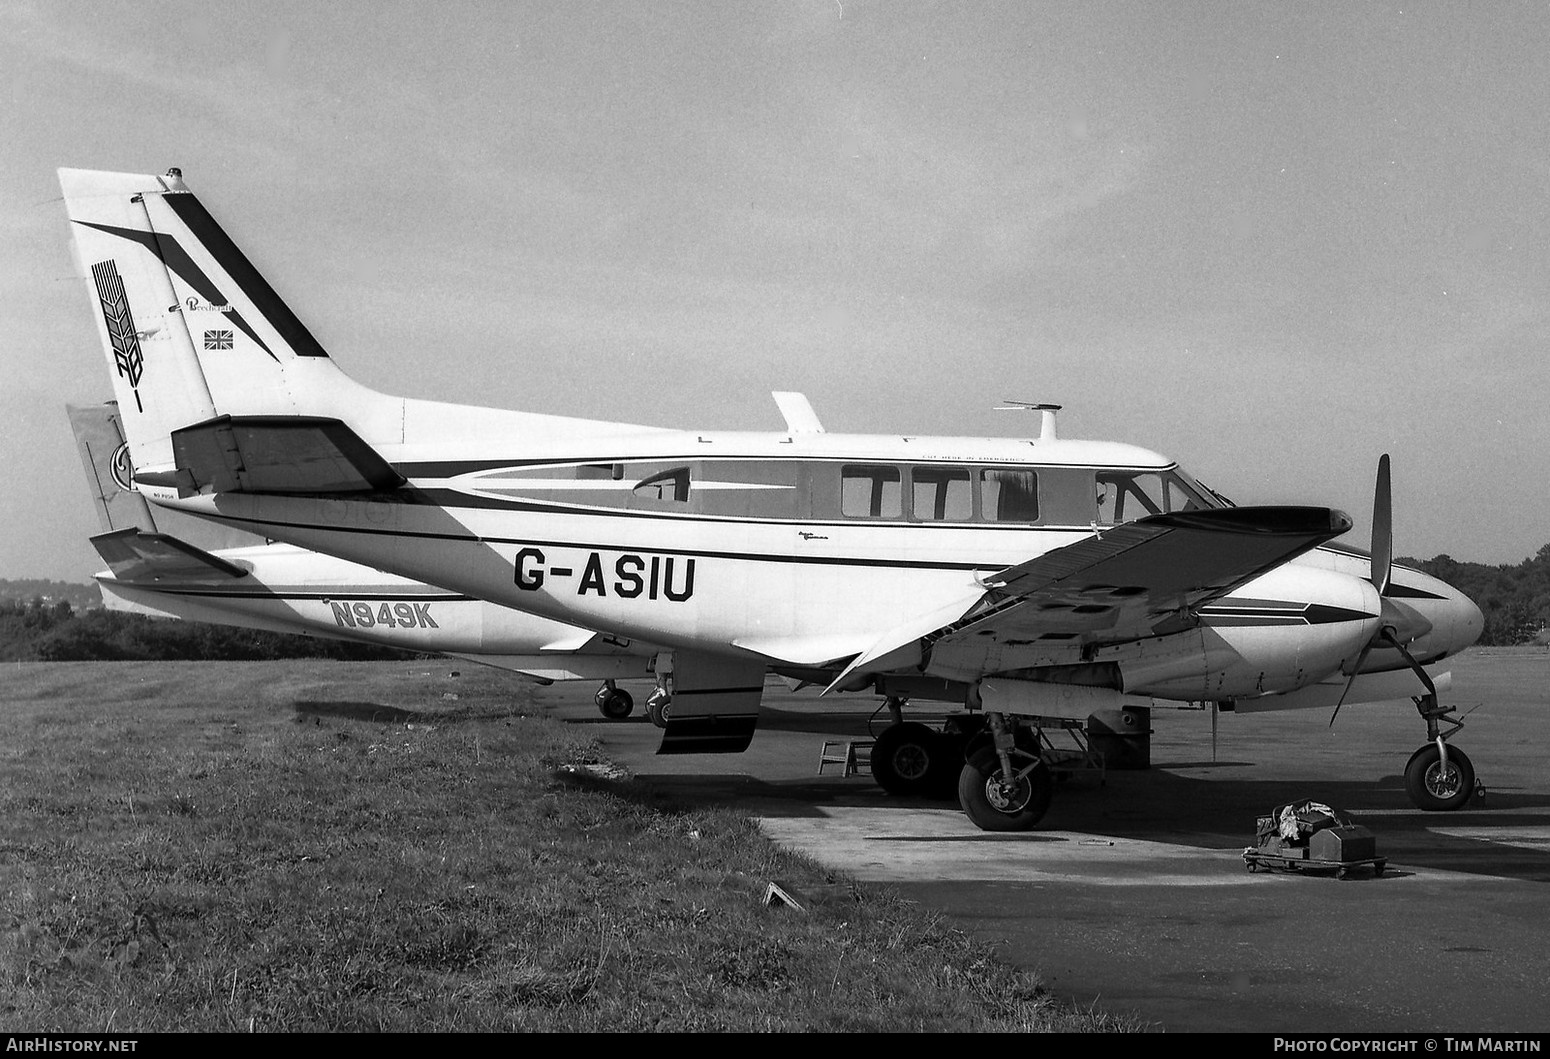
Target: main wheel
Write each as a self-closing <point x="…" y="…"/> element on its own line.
<point x="1435" y="788"/>
<point x="907" y="758"/>
<point x="615" y="703"/>
<point x="659" y="708"/>
<point x="995" y="805"/>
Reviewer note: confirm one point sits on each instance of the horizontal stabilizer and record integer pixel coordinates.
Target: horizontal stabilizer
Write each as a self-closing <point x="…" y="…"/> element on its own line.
<point x="274" y="454"/>
<point x="136" y="556"/>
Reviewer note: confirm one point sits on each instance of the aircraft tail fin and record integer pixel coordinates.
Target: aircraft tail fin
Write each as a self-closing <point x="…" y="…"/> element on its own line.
<point x="190" y="328"/>
<point x="105" y="458"/>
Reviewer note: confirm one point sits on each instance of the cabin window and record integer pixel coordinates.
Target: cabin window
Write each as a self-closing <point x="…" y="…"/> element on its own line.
<point x="1009" y="494"/>
<point x="751" y="488"/>
<point x="941" y="494"/>
<point x="670" y="485"/>
<point x="871" y="491"/>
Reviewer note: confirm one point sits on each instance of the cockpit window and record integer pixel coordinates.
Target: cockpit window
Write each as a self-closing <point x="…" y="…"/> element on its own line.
<point x="1124" y="496"/>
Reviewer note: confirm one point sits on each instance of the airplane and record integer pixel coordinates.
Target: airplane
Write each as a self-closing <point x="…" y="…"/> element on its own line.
<point x="1020" y="579"/>
<point x="282" y="588"/>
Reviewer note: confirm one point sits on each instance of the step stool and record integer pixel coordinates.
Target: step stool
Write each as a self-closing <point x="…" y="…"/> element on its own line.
<point x="853" y="755"/>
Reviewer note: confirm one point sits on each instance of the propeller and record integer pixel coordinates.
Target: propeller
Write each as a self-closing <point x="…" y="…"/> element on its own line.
<point x="1397" y="623"/>
<point x="1382" y="529"/>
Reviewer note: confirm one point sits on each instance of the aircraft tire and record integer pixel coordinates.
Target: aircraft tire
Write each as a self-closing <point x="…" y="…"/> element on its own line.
<point x="659" y="708"/>
<point x="1431" y="788"/>
<point x="616" y="704"/>
<point x="993" y="807"/>
<point x="907" y="759"/>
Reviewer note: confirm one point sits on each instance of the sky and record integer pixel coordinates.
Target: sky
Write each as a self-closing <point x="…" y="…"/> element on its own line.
<point x="1269" y="240"/>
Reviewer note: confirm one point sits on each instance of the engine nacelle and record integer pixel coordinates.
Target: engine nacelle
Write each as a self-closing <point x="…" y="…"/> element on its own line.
<point x="1287" y="629"/>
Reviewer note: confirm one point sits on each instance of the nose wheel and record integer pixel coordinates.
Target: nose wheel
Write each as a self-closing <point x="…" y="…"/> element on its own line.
<point x="1439" y="777"/>
<point x="1436" y="783"/>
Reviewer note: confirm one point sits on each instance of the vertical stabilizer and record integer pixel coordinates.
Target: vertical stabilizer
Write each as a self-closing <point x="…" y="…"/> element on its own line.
<point x="105" y="458"/>
<point x="156" y="374"/>
<point x="191" y="329"/>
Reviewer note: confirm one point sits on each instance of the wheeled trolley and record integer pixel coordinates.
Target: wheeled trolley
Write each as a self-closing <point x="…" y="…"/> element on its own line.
<point x="1312" y="837"/>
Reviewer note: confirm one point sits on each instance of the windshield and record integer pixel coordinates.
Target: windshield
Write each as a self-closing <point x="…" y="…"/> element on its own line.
<point x="1124" y="496"/>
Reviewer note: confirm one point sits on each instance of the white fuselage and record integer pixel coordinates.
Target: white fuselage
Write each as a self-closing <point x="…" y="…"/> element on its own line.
<point x="798" y="550"/>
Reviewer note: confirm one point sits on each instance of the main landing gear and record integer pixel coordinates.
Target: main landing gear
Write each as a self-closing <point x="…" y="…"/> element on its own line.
<point x="659" y="707"/>
<point x="613" y="701"/>
<point x="910" y="760"/>
<point x="991" y="762"/>
<point x="616" y="704"/>
<point x="1440" y="777"/>
<point x="1004" y="784"/>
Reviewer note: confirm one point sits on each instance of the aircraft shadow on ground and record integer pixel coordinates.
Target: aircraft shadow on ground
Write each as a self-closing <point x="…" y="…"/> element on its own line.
<point x="1156" y="805"/>
<point x="366" y="711"/>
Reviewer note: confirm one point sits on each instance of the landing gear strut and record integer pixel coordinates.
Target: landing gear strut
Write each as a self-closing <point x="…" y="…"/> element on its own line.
<point x="1439" y="777"/>
<point x="613" y="701"/>
<point x="1004" y="785"/>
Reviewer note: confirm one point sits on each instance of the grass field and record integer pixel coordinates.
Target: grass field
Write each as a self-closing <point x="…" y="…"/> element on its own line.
<point x="409" y="846"/>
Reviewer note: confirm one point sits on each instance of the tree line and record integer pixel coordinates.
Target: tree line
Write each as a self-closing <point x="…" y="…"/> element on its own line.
<point x="53" y="630"/>
<point x="1515" y="599"/>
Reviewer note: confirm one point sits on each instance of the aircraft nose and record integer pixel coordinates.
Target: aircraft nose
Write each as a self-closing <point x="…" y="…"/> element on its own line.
<point x="1470" y="622"/>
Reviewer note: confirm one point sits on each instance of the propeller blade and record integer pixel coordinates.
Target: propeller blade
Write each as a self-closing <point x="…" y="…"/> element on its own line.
<point x="1382" y="529"/>
<point x="1355" y="670"/>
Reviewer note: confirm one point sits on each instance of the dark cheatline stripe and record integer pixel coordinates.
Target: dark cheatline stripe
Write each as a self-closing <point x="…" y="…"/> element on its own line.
<point x="1278" y="612"/>
<point x="260" y="591"/>
<point x="173" y="256"/>
<point x="911" y="564"/>
<point x="259" y="292"/>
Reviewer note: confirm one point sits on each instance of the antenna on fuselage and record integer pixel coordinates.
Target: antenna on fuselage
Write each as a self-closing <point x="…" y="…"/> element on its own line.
<point x="1046" y="411"/>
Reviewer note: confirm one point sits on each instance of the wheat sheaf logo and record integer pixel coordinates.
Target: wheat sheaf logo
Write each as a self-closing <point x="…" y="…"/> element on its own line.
<point x="121" y="325"/>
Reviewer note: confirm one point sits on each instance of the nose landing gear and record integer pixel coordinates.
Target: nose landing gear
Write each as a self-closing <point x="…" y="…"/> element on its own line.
<point x="1440" y="777"/>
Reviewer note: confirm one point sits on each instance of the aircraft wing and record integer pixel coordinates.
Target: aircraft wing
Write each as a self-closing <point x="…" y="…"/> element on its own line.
<point x="135" y="556"/>
<point x="1130" y="581"/>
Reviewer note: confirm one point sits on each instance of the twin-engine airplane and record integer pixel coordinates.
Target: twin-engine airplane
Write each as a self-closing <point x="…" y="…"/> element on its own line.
<point x="286" y="589"/>
<point x="1021" y="579"/>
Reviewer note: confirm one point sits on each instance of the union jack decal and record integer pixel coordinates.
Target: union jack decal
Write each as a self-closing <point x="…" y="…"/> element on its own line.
<point x="217" y="339"/>
<point x="121" y="325"/>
